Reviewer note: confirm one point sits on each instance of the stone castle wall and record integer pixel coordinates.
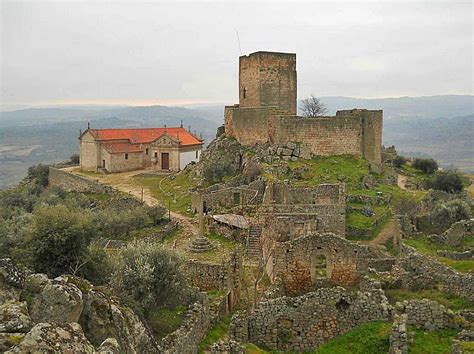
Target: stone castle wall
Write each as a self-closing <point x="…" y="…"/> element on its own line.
<point x="357" y="132"/>
<point x="267" y="110"/>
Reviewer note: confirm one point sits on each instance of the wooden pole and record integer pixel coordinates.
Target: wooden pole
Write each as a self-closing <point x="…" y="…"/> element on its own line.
<point x="201" y="217"/>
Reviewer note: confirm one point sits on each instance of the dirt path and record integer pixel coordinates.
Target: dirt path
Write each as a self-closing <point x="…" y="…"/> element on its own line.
<point x="389" y="231"/>
<point x="123" y="182"/>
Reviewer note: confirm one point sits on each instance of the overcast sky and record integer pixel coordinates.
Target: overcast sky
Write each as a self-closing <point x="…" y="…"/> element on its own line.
<point x="154" y="52"/>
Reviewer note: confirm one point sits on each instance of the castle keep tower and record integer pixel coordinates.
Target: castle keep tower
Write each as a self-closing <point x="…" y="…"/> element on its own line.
<point x="268" y="79"/>
<point x="266" y="114"/>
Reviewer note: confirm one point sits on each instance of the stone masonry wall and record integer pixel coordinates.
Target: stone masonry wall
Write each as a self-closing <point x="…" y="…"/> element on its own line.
<point x="303" y="323"/>
<point x="399" y="335"/>
<point x="357" y="132"/>
<point x="70" y="182"/>
<point x="304" y="262"/>
<point x="429" y="315"/>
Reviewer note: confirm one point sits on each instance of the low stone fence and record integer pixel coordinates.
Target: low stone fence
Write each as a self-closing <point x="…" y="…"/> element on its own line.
<point x="207" y="276"/>
<point x="74" y="183"/>
<point x="456" y="255"/>
<point x="424" y="272"/>
<point x="399" y="335"/>
<point x="429" y="315"/>
<point x="305" y="322"/>
<point x="381" y="264"/>
<point x="187" y="337"/>
<point x="383" y="199"/>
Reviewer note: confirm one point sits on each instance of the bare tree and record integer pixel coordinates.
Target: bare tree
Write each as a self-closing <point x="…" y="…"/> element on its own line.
<point x="256" y="270"/>
<point x="312" y="107"/>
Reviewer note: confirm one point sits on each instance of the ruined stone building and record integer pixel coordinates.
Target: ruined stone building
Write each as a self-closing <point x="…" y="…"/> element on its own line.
<point x="160" y="149"/>
<point x="267" y="113"/>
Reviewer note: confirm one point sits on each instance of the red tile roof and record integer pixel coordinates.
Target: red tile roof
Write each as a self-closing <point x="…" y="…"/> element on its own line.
<point x="116" y="147"/>
<point x="145" y="135"/>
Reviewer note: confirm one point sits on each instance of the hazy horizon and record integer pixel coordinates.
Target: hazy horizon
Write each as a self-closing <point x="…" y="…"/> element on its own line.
<point x="178" y="53"/>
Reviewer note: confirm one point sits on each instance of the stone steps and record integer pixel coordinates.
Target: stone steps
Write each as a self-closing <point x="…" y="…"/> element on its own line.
<point x="254" y="249"/>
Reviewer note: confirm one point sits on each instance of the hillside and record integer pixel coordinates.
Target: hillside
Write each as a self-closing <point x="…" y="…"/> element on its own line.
<point x="448" y="140"/>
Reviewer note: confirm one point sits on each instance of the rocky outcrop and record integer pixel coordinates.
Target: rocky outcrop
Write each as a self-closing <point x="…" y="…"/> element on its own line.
<point x="104" y="317"/>
<point x="53" y="300"/>
<point x="66" y="314"/>
<point x="53" y="338"/>
<point x="14" y="318"/>
<point x="11" y="281"/>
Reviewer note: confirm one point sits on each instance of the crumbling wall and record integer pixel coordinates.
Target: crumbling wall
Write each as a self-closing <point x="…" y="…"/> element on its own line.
<point x="399" y="335"/>
<point x="291" y="212"/>
<point x="304" y="262"/>
<point x="305" y="322"/>
<point x="429" y="315"/>
<point x="224" y="196"/>
<point x="424" y="272"/>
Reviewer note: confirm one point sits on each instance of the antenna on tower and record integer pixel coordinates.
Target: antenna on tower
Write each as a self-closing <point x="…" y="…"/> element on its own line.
<point x="238" y="40"/>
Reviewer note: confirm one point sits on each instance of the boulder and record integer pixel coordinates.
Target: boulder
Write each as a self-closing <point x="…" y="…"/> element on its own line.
<point x="11" y="281"/>
<point x="54" y="338"/>
<point x="104" y="317"/>
<point x="53" y="300"/>
<point x="305" y="153"/>
<point x="14" y="317"/>
<point x="109" y="346"/>
<point x="8" y="340"/>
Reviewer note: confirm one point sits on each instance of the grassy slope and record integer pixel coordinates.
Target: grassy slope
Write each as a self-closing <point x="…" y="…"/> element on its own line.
<point x="174" y="192"/>
<point x="433" y="342"/>
<point x="368" y="338"/>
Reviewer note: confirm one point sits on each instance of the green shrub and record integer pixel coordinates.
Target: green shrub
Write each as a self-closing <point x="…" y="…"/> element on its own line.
<point x="449" y="181"/>
<point x="59" y="240"/>
<point x="39" y="174"/>
<point x="149" y="276"/>
<point x="75" y="159"/>
<point x="215" y="173"/>
<point x="446" y="213"/>
<point x="399" y="161"/>
<point x="426" y="165"/>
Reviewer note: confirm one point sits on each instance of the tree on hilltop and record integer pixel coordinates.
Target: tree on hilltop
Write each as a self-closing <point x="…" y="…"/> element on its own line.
<point x="312" y="107"/>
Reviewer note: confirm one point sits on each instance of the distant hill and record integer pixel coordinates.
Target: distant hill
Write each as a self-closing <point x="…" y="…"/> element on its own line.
<point x="44" y="135"/>
<point x="407" y="107"/>
<point x="448" y="140"/>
